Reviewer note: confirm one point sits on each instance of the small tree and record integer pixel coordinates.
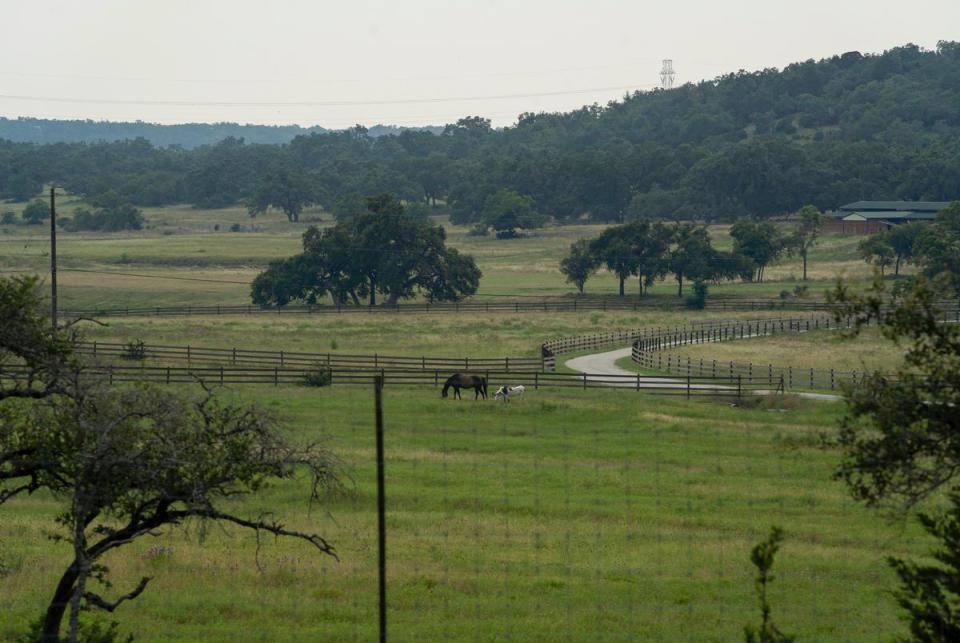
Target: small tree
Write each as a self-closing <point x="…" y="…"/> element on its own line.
<point x="127" y="462"/>
<point x="36" y="211"/>
<point x="937" y="247"/>
<point x="900" y="440"/>
<point x="760" y="241"/>
<point x="505" y="211"/>
<point x="806" y="234"/>
<point x="692" y="257"/>
<point x="902" y="239"/>
<point x="762" y="556"/>
<point x="616" y="253"/>
<point x="931" y="593"/>
<point x="287" y="190"/>
<point x="876" y="251"/>
<point x="580" y="264"/>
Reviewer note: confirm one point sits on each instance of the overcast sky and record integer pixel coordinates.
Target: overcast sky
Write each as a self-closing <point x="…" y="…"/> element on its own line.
<point x="409" y="62"/>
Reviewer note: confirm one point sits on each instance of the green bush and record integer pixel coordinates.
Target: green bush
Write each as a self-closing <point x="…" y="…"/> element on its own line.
<point x="134" y="350"/>
<point x="699" y="299"/>
<point x="318" y="376"/>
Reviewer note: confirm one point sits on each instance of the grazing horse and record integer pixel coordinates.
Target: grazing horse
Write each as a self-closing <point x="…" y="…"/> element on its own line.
<point x="506" y="392"/>
<point x="460" y="380"/>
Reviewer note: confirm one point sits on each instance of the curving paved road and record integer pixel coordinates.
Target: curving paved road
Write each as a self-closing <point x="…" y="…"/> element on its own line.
<point x="596" y="365"/>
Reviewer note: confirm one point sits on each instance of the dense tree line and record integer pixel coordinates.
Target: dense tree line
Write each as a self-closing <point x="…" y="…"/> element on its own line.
<point x="185" y="135"/>
<point x="650" y="250"/>
<point x="380" y="251"/>
<point x="750" y="143"/>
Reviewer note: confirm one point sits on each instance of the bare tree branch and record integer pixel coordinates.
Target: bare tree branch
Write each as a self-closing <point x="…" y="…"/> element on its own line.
<point x="98" y="601"/>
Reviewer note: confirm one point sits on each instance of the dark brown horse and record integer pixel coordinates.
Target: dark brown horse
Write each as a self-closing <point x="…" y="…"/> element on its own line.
<point x="460" y="380"/>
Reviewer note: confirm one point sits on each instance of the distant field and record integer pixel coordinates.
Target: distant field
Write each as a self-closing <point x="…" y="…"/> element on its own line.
<point x="495" y="334"/>
<point x="181" y="242"/>
<point x="822" y="349"/>
<point x="566" y="515"/>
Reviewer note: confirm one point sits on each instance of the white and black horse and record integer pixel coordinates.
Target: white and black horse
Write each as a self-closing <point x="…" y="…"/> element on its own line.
<point x="506" y="392"/>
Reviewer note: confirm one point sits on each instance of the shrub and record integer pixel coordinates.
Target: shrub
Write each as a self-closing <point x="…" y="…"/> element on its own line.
<point x="699" y="299"/>
<point x="35" y="212"/>
<point x="318" y="376"/>
<point x="236" y="227"/>
<point x="134" y="350"/>
<point x="8" y="218"/>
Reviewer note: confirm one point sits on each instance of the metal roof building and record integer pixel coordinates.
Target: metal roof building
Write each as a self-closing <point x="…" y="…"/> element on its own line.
<point x="867" y="217"/>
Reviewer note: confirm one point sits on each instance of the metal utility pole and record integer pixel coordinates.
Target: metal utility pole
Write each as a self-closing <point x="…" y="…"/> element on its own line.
<point x="381" y="506"/>
<point x="53" y="255"/>
<point x="667" y="74"/>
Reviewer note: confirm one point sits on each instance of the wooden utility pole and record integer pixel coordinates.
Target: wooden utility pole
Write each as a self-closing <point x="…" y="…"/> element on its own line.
<point x="381" y="506"/>
<point x="53" y="255"/>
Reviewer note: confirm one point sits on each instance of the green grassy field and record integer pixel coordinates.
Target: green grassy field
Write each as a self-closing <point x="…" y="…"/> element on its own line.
<point x="146" y="268"/>
<point x="577" y="515"/>
<point x="494" y="334"/>
<point x="824" y="349"/>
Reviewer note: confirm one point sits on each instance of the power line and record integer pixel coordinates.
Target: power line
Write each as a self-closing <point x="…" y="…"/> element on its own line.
<point x="330" y="103"/>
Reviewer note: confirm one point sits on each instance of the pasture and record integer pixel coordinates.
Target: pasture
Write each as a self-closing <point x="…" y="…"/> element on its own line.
<point x="578" y="515"/>
<point x="148" y="267"/>
<point x="566" y="514"/>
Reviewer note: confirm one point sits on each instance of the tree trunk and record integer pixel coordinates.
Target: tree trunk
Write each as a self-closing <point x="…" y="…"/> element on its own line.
<point x="356" y="300"/>
<point x="393" y="299"/>
<point x="896" y="268"/>
<point x="804" y="255"/>
<point x="61" y="598"/>
<point x="622" y="279"/>
<point x="680" y="281"/>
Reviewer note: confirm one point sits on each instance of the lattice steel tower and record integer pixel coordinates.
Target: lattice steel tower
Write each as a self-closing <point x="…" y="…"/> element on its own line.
<point x="666" y="75"/>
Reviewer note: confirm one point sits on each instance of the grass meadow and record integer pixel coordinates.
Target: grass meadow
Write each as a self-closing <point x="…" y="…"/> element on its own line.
<point x="565" y="515"/>
<point x="147" y="268"/>
<point x="817" y="349"/>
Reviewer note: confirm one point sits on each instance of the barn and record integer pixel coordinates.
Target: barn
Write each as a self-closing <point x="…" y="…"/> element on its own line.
<point x="868" y="217"/>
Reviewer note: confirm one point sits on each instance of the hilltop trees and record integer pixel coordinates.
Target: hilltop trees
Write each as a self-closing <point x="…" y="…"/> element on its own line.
<point x="380" y="251"/>
<point x="748" y="143"/>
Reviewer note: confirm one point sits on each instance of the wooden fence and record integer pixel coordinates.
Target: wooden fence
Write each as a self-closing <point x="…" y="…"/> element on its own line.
<point x="545" y="305"/>
<point x="287" y="359"/>
<point x="651" y="351"/>
<point x="689" y="386"/>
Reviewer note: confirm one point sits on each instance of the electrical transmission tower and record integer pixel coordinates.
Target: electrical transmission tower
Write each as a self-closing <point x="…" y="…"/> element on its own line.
<point x="666" y="75"/>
